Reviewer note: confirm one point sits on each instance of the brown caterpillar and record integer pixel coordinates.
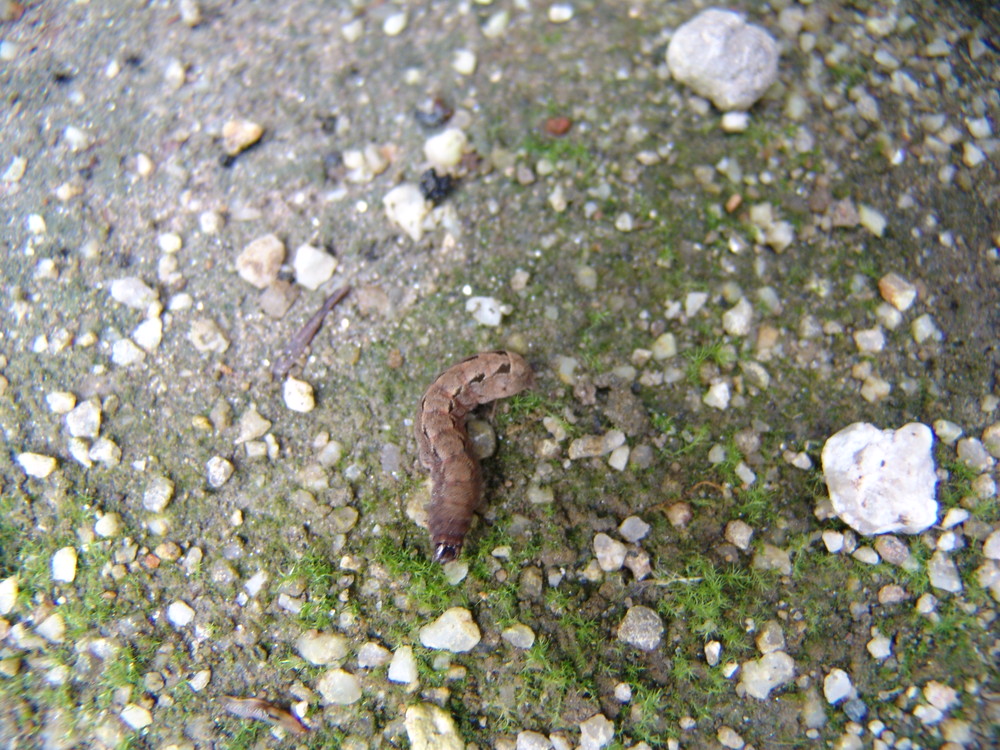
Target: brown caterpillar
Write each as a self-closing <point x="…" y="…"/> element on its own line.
<point x="444" y="445"/>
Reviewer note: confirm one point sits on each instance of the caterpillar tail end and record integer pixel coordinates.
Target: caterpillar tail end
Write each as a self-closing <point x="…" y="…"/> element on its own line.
<point x="445" y="552"/>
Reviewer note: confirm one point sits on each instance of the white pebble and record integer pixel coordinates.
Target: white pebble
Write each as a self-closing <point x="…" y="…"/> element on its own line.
<point x="339" y="687"/>
<point x="206" y="336"/>
<point x="618" y="459"/>
<point x="132" y="292"/>
<point x="353" y="30"/>
<point x="897" y="291"/>
<point x="125" y="353"/>
<point x="464" y="62"/>
<point x="924" y="328"/>
<point x="836" y="686"/>
<point x="403" y="667"/>
<point x="560" y="12"/>
<point x="610" y="553"/>
<point x="179" y="614"/>
<point x="395" y="24"/>
<point x="52" y="628"/>
<point x="872" y="220"/>
<point x="298" y="395"/>
<point x="735" y="122"/>
<point x="148" y="334"/>
<point x="136" y="716"/>
<point x="76" y="138"/>
<point x="108" y="525"/>
<point x="718" y="396"/>
<point x="36" y="465"/>
<point x="870" y="341"/>
<point x="60" y="402"/>
<point x="260" y="260"/>
<point x="445" y="149"/>
<point x="169" y="242"/>
<point x="157" y="494"/>
<point x="15" y="171"/>
<point x="834" y="541"/>
<point x="406" y="207"/>
<point x="454" y="631"/>
<point x="633" y="529"/>
<point x="486" y="310"/>
<point x="737" y="320"/>
<point x="519" y="636"/>
<point x="8" y="595"/>
<point x="218" y="470"/>
<point x="624" y="222"/>
<point x="313" y="266"/>
<point x="64" y="565"/>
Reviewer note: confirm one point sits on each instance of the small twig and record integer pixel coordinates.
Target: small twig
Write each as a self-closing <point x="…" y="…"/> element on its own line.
<point x="304" y="337"/>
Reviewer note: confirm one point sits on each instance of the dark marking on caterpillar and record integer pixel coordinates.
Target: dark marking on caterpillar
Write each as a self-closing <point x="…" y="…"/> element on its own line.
<point x="444" y="445"/>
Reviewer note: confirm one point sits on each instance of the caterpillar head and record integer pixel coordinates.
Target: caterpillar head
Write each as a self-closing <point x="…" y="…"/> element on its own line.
<point x="445" y="552"/>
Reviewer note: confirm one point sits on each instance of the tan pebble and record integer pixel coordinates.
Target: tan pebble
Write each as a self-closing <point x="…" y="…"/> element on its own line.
<point x="239" y="135"/>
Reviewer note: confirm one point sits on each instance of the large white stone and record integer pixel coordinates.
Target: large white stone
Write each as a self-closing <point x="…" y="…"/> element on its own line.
<point x="882" y="481"/>
<point x="723" y="58"/>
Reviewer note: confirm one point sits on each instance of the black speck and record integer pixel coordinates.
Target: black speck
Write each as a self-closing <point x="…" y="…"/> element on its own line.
<point x="328" y="124"/>
<point x="133" y="61"/>
<point x="434" y="187"/>
<point x="61" y="77"/>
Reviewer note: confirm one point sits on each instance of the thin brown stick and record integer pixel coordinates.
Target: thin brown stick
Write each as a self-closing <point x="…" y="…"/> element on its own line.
<point x="304" y="337"/>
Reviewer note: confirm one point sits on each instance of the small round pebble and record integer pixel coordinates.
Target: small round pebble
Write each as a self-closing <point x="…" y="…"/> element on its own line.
<point x="108" y="525"/>
<point x="60" y="402"/>
<point x="321" y="648"/>
<point x="239" y="135"/>
<point x="132" y="292"/>
<point x="519" y="636"/>
<point x="217" y="471"/>
<point x="445" y="149"/>
<point x="633" y="529"/>
<point x="560" y="12"/>
<point x="298" y="395"/>
<point x="464" y="62"/>
<point x="260" y="260"/>
<point x="36" y="465"/>
<point x="610" y="553"/>
<point x="179" y="614"/>
<point x="157" y="495"/>
<point x="395" y="24"/>
<point x="313" y="266"/>
<point x="339" y="688"/>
